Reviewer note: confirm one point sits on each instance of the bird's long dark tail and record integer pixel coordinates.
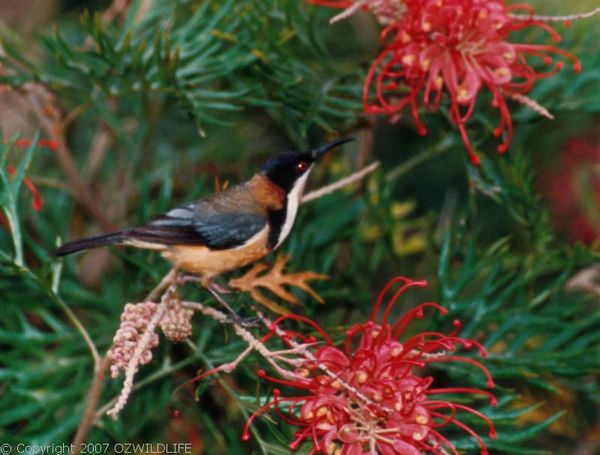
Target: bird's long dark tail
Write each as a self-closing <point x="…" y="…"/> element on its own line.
<point x="91" y="242"/>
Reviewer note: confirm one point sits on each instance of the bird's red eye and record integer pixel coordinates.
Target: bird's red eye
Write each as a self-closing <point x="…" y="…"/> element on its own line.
<point x="302" y="166"/>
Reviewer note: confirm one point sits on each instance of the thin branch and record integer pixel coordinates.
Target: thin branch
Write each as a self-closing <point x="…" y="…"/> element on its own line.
<point x="244" y="334"/>
<point x="80" y="190"/>
<point x="348" y="11"/>
<point x="82" y="330"/>
<point x="89" y="413"/>
<point x="572" y="17"/>
<point x="532" y="104"/>
<point x="167" y="281"/>
<point x="349" y="180"/>
<point x="102" y="140"/>
<point x="49" y="116"/>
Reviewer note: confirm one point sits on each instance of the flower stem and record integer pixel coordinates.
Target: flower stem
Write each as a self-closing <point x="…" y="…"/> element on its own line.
<point x="571" y="17"/>
<point x="89" y="413"/>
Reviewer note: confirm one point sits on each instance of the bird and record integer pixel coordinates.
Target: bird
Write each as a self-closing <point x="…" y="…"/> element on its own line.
<point x="226" y="230"/>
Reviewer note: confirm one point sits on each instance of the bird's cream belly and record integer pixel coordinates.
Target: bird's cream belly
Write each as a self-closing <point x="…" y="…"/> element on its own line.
<point x="202" y="261"/>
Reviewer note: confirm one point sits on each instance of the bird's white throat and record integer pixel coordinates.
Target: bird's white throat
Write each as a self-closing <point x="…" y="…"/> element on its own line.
<point x="293" y="201"/>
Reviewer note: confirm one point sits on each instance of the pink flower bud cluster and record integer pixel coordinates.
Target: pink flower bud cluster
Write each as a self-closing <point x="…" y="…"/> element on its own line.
<point x="134" y="321"/>
<point x="176" y="324"/>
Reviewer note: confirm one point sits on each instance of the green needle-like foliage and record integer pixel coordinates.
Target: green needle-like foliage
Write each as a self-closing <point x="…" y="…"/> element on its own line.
<point x="170" y="96"/>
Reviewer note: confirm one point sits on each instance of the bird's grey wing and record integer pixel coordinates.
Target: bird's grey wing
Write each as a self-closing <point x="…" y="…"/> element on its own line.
<point x="172" y="228"/>
<point x="222" y="220"/>
<point x="228" y="219"/>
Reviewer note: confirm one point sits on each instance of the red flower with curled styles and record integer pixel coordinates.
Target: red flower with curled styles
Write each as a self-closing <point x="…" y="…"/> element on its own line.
<point x="36" y="196"/>
<point x="457" y="48"/>
<point x="37" y="201"/>
<point x="372" y="396"/>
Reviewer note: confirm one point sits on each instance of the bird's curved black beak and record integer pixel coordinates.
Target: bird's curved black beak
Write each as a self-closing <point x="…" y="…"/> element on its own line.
<point x="319" y="152"/>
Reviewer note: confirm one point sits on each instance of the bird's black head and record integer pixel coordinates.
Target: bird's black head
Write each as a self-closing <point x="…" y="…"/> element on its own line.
<point x="287" y="168"/>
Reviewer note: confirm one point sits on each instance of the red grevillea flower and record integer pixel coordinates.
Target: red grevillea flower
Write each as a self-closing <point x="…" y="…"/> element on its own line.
<point x="372" y="395"/>
<point x="457" y="48"/>
<point x="37" y="201"/>
<point x="36" y="196"/>
<point x="48" y="143"/>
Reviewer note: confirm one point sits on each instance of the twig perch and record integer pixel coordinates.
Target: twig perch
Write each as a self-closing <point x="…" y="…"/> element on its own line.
<point x="352" y="178"/>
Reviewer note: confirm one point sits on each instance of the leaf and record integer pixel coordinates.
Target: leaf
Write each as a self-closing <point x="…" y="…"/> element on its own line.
<point x="274" y="280"/>
<point x="9" y="193"/>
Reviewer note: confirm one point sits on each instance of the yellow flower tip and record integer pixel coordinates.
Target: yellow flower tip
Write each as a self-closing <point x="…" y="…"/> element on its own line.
<point x="501" y="72"/>
<point x="396" y="351"/>
<point x="422" y="419"/>
<point x="418" y="436"/>
<point x="462" y="95"/>
<point x="362" y="377"/>
<point x="408" y="59"/>
<point x="303" y="372"/>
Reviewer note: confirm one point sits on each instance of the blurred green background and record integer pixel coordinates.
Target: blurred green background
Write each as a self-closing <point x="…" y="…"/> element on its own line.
<point x="157" y="100"/>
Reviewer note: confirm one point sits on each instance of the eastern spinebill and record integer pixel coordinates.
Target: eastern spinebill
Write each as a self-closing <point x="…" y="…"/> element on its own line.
<point x="228" y="229"/>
